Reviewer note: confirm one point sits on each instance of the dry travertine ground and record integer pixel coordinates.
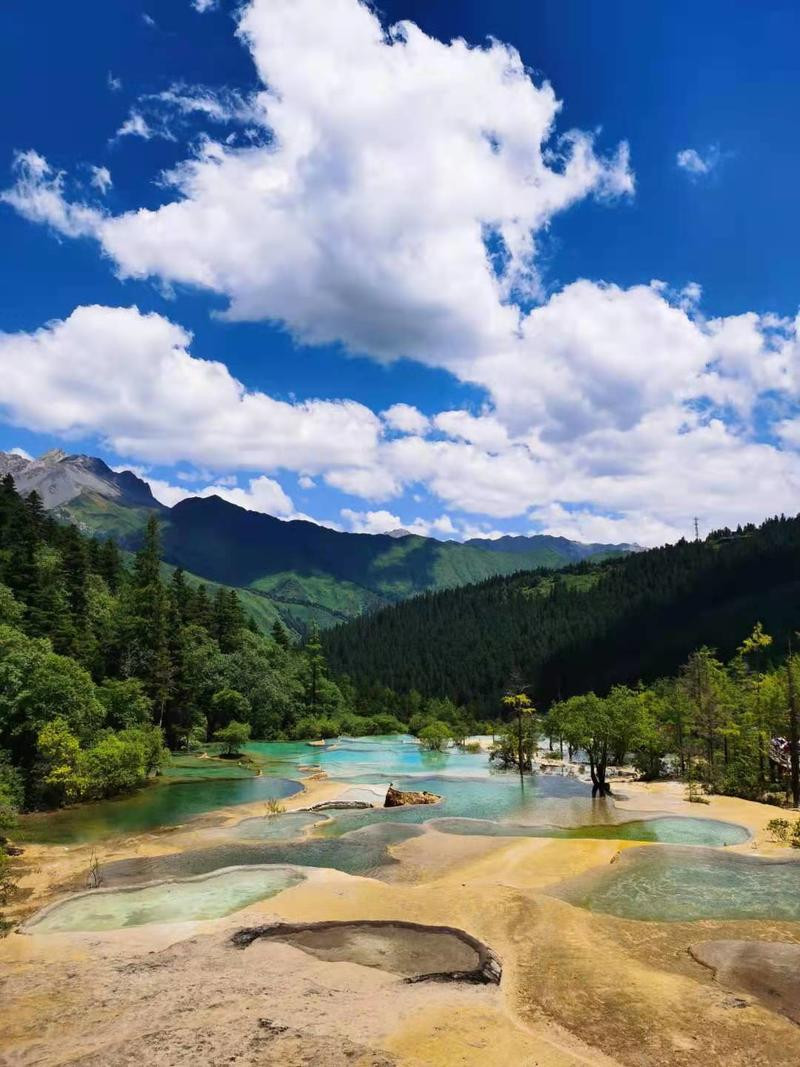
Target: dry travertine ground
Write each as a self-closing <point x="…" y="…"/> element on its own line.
<point x="578" y="987"/>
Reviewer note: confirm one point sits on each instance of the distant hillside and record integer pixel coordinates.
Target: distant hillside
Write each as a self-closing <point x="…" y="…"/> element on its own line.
<point x="564" y="549"/>
<point x="297" y="570"/>
<point x="586" y="627"/>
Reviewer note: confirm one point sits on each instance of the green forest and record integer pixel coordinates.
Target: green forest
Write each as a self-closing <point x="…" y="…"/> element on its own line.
<point x="586" y="627"/>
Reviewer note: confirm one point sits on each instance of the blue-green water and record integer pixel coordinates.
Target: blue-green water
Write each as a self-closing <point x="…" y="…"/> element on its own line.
<point x="661" y="882"/>
<point x="670" y="884"/>
<point x="193" y="768"/>
<point x="207" y="897"/>
<point x="363" y="851"/>
<point x="496" y="802"/>
<point x="664" y="829"/>
<point x="372" y="759"/>
<point x="159" y="804"/>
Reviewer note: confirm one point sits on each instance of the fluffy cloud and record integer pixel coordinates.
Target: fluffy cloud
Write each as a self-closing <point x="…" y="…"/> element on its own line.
<point x="262" y="494"/>
<point x="390" y="160"/>
<point x="405" y="419"/>
<point x="390" y="199"/>
<point x="135" y="125"/>
<point x="378" y="522"/>
<point x="486" y="431"/>
<point x="38" y="195"/>
<point x="635" y="469"/>
<point x="130" y="378"/>
<point x="690" y="160"/>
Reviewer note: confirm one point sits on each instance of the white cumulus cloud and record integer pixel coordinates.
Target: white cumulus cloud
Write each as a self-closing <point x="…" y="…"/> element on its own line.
<point x="391" y="198"/>
<point x="130" y="378"/>
<point x="404" y="418"/>
<point x="392" y="158"/>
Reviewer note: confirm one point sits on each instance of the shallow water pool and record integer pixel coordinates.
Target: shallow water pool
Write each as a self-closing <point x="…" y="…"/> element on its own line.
<point x="364" y="851"/>
<point x="666" y="829"/>
<point x="209" y="896"/>
<point x="161" y="803"/>
<point x="669" y="884"/>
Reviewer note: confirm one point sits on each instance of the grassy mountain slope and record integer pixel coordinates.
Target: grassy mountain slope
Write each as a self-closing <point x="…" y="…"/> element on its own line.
<point x="297" y="571"/>
<point x="308" y="571"/>
<point x="587" y="627"/>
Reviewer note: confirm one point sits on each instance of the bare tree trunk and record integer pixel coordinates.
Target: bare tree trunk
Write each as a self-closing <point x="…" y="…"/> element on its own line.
<point x="519" y="740"/>
<point x="794" y="732"/>
<point x="597" y="769"/>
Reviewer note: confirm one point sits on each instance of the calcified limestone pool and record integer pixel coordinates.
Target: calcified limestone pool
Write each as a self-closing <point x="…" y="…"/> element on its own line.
<point x="670" y="884"/>
<point x="695" y="880"/>
<point x="209" y="896"/>
<point x="163" y="803"/>
<point x="675" y="830"/>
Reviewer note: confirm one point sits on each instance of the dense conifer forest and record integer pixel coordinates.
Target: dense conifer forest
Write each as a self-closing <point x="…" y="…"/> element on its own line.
<point x="586" y="627"/>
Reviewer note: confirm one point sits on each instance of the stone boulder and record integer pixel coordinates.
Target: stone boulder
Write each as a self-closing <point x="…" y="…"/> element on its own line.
<point x="398" y="798"/>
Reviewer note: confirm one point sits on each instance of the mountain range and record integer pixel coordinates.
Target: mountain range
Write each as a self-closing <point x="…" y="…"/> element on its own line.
<point x="293" y="570"/>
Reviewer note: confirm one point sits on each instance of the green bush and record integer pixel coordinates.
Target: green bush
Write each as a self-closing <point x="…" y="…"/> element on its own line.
<point x="435" y="736"/>
<point x="233" y="737"/>
<point x="116" y="763"/>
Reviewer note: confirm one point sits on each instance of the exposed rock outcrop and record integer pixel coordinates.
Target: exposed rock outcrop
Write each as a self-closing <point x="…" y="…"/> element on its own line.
<point x="398" y="798"/>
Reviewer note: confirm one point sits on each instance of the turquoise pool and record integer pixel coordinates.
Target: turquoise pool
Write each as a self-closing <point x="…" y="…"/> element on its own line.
<point x="206" y="897"/>
<point x="669" y="884"/>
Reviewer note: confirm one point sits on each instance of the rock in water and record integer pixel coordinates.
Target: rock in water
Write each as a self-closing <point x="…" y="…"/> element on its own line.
<point x="398" y="798"/>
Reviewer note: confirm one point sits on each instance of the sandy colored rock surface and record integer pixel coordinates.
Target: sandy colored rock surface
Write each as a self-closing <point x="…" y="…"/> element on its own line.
<point x="577" y="988"/>
<point x="769" y="970"/>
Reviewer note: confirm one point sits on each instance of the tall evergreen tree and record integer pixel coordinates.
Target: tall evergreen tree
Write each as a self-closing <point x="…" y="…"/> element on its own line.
<point x="317" y="666"/>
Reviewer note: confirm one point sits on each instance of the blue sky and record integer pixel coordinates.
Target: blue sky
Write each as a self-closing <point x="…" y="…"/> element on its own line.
<point x="396" y="288"/>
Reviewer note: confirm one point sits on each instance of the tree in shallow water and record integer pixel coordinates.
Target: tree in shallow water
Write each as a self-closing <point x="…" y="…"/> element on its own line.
<point x="600" y="727"/>
<point x="233" y="737"/>
<point x="526" y="735"/>
<point x="435" y="736"/>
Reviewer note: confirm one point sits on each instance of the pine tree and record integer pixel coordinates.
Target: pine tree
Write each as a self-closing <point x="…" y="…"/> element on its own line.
<point x="149" y="621"/>
<point x="109" y="564"/>
<point x="147" y="569"/>
<point x="317" y="666"/>
<point x="202" y="610"/>
<point x="180" y="596"/>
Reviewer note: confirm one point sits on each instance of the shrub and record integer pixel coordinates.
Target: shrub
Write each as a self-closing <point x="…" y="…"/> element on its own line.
<point x="694" y="795"/>
<point x="435" y="736"/>
<point x="233" y="736"/>
<point x="779" y="829"/>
